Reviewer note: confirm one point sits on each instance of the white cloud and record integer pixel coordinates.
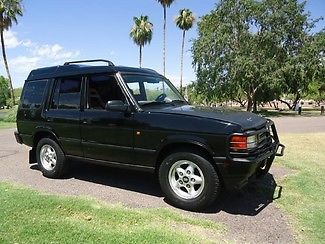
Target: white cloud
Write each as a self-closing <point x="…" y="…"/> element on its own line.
<point x="24" y="64"/>
<point x="11" y="40"/>
<point x="52" y="52"/>
<point x="27" y="43"/>
<point x="49" y="51"/>
<point x="33" y="55"/>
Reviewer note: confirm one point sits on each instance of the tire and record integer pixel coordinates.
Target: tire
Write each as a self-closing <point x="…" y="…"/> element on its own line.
<point x="50" y="158"/>
<point x="178" y="185"/>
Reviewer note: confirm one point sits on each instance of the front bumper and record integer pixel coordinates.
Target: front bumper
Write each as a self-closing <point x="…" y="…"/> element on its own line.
<point x="237" y="168"/>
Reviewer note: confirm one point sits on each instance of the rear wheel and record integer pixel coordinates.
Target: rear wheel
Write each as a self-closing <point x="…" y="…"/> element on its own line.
<point x="50" y="158"/>
<point x="188" y="180"/>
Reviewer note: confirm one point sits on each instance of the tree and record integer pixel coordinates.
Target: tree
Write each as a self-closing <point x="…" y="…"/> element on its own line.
<point x="4" y="91"/>
<point x="184" y="21"/>
<point x="141" y="33"/>
<point x="166" y="4"/>
<point x="9" y="11"/>
<point x="256" y="48"/>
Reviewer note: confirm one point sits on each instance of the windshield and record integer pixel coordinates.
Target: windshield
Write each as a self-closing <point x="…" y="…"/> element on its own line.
<point x="152" y="90"/>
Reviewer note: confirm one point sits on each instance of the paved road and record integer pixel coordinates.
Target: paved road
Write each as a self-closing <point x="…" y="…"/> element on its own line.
<point x="249" y="216"/>
<point x="300" y="124"/>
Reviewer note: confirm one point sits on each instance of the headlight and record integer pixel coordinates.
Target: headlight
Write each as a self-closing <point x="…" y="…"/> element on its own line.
<point x="251" y="141"/>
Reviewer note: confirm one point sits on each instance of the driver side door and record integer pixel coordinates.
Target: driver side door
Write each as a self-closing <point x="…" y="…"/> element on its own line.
<point x="106" y="135"/>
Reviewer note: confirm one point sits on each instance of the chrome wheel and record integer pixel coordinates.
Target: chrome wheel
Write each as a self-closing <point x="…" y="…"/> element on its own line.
<point x="48" y="157"/>
<point x="186" y="179"/>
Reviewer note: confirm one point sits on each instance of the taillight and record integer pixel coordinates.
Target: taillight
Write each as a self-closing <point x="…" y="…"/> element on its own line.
<point x="242" y="142"/>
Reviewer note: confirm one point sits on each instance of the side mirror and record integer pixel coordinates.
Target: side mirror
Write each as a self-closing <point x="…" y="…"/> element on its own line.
<point x="116" y="105"/>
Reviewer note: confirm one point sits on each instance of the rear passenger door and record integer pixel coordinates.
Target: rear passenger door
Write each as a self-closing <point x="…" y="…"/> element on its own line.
<point x="63" y="114"/>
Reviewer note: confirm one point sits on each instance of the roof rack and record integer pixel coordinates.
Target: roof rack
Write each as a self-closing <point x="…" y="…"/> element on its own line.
<point x="110" y="63"/>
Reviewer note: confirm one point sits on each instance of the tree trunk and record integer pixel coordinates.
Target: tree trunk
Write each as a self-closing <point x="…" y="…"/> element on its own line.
<point x="164" y="48"/>
<point x="249" y="103"/>
<point x="140" y="57"/>
<point x="7" y="67"/>
<point x="286" y="103"/>
<point x="242" y="103"/>
<point x="254" y="105"/>
<point x="182" y="60"/>
<point x="296" y="100"/>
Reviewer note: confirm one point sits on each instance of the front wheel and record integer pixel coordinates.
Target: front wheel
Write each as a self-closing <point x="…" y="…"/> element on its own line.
<point x="188" y="180"/>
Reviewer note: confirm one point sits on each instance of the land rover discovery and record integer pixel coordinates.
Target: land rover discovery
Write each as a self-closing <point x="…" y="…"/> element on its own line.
<point x="135" y="118"/>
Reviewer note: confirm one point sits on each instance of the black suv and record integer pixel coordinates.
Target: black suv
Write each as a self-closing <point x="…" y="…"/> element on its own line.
<point x="135" y="118"/>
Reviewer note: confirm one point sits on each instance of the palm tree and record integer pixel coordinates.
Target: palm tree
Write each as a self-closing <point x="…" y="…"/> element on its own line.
<point x="141" y="33"/>
<point x="9" y="10"/>
<point x="184" y="21"/>
<point x="166" y="4"/>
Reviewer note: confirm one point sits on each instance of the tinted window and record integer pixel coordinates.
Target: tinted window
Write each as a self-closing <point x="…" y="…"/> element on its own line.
<point x="33" y="94"/>
<point x="103" y="88"/>
<point x="67" y="93"/>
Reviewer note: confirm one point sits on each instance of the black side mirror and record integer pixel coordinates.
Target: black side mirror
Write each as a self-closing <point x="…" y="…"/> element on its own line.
<point x="116" y="105"/>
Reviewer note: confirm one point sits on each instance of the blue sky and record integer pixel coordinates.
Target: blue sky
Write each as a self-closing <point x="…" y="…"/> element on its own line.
<point x="54" y="31"/>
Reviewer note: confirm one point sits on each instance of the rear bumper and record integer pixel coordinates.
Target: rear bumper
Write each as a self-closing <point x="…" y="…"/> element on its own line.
<point x="18" y="137"/>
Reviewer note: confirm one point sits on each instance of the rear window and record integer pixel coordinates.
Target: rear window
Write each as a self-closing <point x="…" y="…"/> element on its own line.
<point x="33" y="94"/>
<point x="67" y="93"/>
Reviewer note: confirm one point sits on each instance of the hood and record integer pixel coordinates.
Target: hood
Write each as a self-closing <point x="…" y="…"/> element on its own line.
<point x="244" y="119"/>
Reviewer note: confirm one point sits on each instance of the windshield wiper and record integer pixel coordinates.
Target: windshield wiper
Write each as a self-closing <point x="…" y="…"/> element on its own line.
<point x="178" y="101"/>
<point x="153" y="103"/>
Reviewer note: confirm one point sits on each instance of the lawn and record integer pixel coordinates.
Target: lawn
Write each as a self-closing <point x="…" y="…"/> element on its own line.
<point x="6" y="125"/>
<point x="289" y="113"/>
<point x="31" y="217"/>
<point x="8" y="118"/>
<point x="303" y="194"/>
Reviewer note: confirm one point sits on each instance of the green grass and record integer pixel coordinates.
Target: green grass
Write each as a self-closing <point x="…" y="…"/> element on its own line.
<point x="31" y="217"/>
<point x="7" y="125"/>
<point x="8" y="118"/>
<point x="303" y="194"/>
<point x="289" y="113"/>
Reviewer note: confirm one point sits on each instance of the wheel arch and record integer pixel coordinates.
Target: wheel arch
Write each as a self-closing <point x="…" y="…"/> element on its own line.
<point x="186" y="144"/>
<point x="45" y="134"/>
<point x="172" y="146"/>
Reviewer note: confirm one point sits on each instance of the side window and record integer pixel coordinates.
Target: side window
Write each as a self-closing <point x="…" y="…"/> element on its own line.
<point x="101" y="89"/>
<point x="67" y="93"/>
<point x="33" y="94"/>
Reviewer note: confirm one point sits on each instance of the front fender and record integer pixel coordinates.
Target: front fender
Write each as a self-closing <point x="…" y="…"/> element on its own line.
<point x="184" y="139"/>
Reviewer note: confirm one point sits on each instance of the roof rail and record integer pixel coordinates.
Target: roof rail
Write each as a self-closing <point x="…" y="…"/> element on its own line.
<point x="110" y="63"/>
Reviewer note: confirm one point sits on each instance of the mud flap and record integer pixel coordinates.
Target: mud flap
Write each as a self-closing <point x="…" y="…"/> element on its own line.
<point x="32" y="156"/>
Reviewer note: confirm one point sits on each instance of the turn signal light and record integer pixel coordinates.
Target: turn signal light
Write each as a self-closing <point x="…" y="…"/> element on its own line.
<point x="238" y="142"/>
<point x="243" y="142"/>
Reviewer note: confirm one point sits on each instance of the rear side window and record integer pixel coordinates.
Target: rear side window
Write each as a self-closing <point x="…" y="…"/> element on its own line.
<point x="33" y="94"/>
<point x="67" y="93"/>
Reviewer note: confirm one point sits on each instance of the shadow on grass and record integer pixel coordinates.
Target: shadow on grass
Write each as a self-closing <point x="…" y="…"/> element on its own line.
<point x="250" y="200"/>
